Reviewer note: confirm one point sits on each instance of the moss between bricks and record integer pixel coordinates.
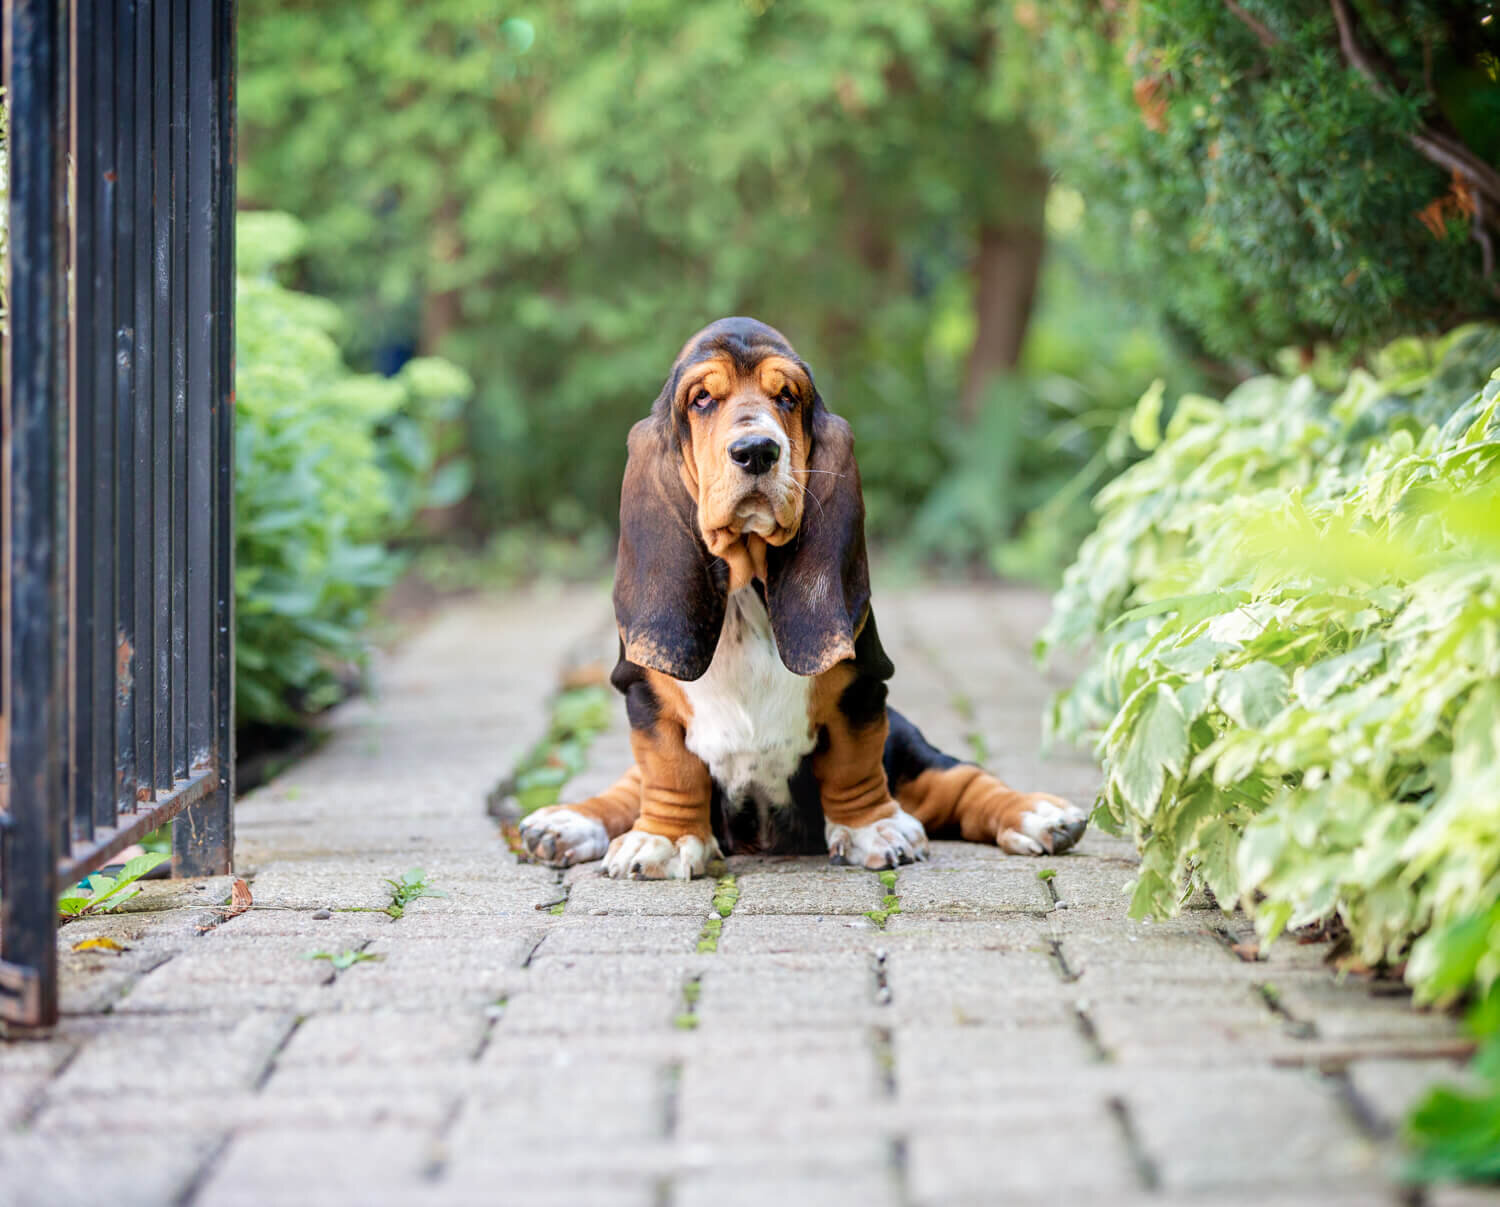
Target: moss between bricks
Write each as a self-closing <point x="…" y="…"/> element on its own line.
<point x="726" y="895"/>
<point x="890" y="904"/>
<point x="692" y="990"/>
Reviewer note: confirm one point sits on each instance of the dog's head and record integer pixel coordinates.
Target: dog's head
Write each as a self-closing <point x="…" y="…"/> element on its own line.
<point x="740" y="474"/>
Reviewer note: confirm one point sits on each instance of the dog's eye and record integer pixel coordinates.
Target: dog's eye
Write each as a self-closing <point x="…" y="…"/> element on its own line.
<point x="786" y="398"/>
<point x="701" y="399"/>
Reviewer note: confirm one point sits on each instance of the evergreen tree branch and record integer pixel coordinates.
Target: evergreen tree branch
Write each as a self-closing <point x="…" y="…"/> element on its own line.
<point x="1433" y="139"/>
<point x="1259" y="28"/>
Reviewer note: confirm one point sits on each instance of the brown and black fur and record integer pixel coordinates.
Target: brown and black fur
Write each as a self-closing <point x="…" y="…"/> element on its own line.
<point x="682" y="552"/>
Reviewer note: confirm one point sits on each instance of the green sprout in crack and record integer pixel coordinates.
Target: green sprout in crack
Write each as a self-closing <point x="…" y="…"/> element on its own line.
<point x="708" y="937"/>
<point x="1047" y="874"/>
<point x="100" y="893"/>
<point x="726" y="895"/>
<point x="344" y="959"/>
<point x="413" y="884"/>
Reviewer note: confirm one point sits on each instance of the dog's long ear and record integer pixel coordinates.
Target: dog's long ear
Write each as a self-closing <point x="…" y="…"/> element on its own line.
<point x="669" y="590"/>
<point x="818" y="584"/>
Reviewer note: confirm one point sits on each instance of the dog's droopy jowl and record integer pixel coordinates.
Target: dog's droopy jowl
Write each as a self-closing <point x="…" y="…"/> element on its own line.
<point x="753" y="675"/>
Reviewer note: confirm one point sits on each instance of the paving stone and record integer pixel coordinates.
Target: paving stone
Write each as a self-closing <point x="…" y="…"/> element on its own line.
<point x="617" y="936"/>
<point x="20" y="1095"/>
<point x="598" y="895"/>
<point x="939" y="932"/>
<point x="502" y="1053"/>
<point x="1208" y="1129"/>
<point x="230" y="979"/>
<point x="1162" y="1036"/>
<point x="333" y="1165"/>
<point x="825" y="891"/>
<point x="201" y="1055"/>
<point x="1392" y="1087"/>
<point x="494" y="895"/>
<point x="429" y="974"/>
<point x="319" y="884"/>
<point x="598" y="974"/>
<point x="798" y="1085"/>
<point x="980" y="1062"/>
<point x="45" y="1169"/>
<point x="872" y="1187"/>
<point x="569" y="1013"/>
<point x="1040" y="1156"/>
<point x="993" y="888"/>
<point x="987" y="987"/>
<point x="624" y="1100"/>
<point x="1082" y="881"/>
<point x="1351" y="1012"/>
<point x="786" y="990"/>
<point x="344" y="929"/>
<point x="1461" y="1196"/>
<point x="770" y="934"/>
<point x="384" y="1037"/>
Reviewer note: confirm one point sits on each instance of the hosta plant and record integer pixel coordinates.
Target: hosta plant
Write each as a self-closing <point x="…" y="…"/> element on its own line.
<point x="1294" y="611"/>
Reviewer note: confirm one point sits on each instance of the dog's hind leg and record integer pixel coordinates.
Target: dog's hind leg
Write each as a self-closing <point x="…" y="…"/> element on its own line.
<point x="562" y="835"/>
<point x="946" y="795"/>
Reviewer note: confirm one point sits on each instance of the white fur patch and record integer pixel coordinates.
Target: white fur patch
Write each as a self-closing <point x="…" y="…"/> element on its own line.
<point x="560" y="836"/>
<point x="636" y="855"/>
<point x="750" y="721"/>
<point x="892" y="840"/>
<point x="1041" y="827"/>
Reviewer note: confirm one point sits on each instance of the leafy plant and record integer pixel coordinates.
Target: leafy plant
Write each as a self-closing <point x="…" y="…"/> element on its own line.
<point x="342" y="960"/>
<point x="412" y="885"/>
<point x="1295" y="609"/>
<point x="1267" y="172"/>
<point x="331" y="466"/>
<point x="101" y="894"/>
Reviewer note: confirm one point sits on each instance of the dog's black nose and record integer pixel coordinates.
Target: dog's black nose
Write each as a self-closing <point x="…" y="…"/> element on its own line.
<point x="755" y="454"/>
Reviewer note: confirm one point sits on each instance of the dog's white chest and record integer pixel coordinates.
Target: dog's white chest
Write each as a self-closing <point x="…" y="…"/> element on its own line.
<point x="750" y="714"/>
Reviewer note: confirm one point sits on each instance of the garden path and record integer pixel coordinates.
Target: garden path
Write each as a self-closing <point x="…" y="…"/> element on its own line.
<point x="543" y="1038"/>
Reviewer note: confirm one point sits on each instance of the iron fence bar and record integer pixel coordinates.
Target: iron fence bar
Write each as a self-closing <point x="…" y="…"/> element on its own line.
<point x="143" y="678"/>
<point x="83" y="467"/>
<point x="97" y="378"/>
<point x="170" y="806"/>
<point x="34" y="683"/>
<point x="180" y="466"/>
<point x="203" y="839"/>
<point x="124" y="340"/>
<point x="161" y="394"/>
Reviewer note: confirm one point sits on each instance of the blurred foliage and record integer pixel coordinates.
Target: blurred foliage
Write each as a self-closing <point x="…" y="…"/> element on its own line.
<point x="330" y="466"/>
<point x="1294" y="604"/>
<point x="1256" y="187"/>
<point x="556" y="201"/>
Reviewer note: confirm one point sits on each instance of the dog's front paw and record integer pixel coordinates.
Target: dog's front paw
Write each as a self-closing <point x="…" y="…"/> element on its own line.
<point x="896" y="839"/>
<point x="560" y="836"/>
<point x="1043" y="825"/>
<point x="637" y="855"/>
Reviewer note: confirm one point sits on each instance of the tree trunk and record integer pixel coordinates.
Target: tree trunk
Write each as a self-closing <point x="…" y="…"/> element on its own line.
<point x="1005" y="271"/>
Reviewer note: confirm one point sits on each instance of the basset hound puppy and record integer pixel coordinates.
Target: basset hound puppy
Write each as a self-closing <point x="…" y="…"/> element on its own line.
<point x="753" y="674"/>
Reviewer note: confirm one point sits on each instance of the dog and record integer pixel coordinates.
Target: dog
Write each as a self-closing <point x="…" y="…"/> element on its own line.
<point x="752" y="671"/>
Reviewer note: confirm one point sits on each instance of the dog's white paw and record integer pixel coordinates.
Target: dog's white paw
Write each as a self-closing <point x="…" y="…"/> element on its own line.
<point x="560" y="836"/>
<point x="637" y="855"/>
<point x="892" y="840"/>
<point x="1049" y="826"/>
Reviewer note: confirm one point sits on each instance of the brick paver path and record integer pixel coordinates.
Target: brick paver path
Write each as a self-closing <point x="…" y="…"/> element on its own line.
<point x="535" y="1037"/>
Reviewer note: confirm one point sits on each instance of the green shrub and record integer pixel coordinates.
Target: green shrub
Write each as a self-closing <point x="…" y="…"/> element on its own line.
<point x="1295" y="686"/>
<point x="331" y="466"/>
<point x="1258" y="186"/>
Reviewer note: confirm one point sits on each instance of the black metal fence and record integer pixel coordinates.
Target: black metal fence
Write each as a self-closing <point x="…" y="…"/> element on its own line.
<point x="118" y="655"/>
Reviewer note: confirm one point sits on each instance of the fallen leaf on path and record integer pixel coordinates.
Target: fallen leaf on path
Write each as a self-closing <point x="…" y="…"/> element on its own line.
<point x="102" y="943"/>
